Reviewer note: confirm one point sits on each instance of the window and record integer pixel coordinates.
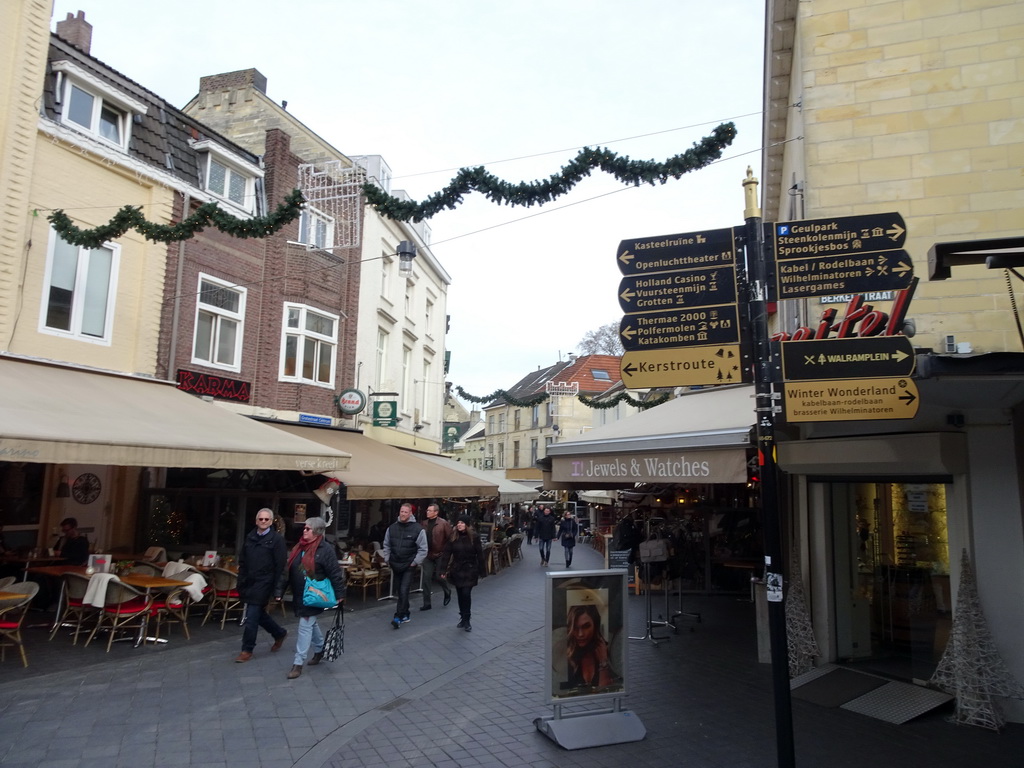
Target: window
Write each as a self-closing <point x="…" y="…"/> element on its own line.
<point x="501" y="456"/>
<point x="93" y="106"/>
<point x="229" y="175"/>
<point x="501" y="422"/>
<point x="407" y="394"/>
<point x="600" y="375"/>
<point x="382" y="356"/>
<point x="533" y="451"/>
<point x="316" y="229"/>
<point x="385" y="276"/>
<point x="535" y="417"/>
<point x="515" y="454"/>
<point x="490" y="426"/>
<point x="310" y="343"/>
<point x="220" y="309"/>
<point x="516" y="417"/>
<point x="424" y="415"/>
<point x="78" y="298"/>
<point x="428" y="317"/>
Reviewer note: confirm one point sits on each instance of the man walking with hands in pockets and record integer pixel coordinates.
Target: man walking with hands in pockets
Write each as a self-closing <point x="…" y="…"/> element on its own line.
<point x="405" y="547"/>
<point x="438" y="531"/>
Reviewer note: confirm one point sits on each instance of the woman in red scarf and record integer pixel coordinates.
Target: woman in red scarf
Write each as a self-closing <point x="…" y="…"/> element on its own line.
<point x="314" y="557"/>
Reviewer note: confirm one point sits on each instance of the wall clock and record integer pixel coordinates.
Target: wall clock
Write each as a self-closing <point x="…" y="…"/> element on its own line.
<point x="86" y="488"/>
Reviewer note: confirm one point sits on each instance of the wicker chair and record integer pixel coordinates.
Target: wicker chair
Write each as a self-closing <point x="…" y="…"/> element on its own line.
<point x="12" y="615"/>
<point x="75" y="608"/>
<point x="124" y="607"/>
<point x="223" y="595"/>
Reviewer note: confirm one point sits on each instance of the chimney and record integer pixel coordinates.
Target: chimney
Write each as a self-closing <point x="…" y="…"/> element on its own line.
<point x="77" y="31"/>
<point x="227" y="81"/>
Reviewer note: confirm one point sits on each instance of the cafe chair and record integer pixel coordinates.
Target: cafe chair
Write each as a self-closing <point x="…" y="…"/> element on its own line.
<point x="363" y="574"/>
<point x="171" y="608"/>
<point x="124" y="607"/>
<point x="6" y="581"/>
<point x="147" y="568"/>
<point x="76" y="609"/>
<point x="223" y="595"/>
<point x="155" y="555"/>
<point x="12" y="615"/>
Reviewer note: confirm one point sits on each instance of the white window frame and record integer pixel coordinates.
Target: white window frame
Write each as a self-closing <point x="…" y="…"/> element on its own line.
<point x="323" y="224"/>
<point x="70" y="75"/>
<point x="304" y="336"/>
<point x="383" y="339"/>
<point x="235" y="167"/>
<point x="408" y="396"/>
<point x="221" y="317"/>
<point x="81" y="292"/>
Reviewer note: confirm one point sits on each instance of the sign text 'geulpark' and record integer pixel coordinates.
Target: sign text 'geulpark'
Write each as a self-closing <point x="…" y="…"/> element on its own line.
<point x="681" y="328"/>
<point x="848" y="254"/>
<point x="687" y="250"/>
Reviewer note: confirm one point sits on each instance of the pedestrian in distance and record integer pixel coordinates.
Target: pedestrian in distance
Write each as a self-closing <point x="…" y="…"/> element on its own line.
<point x="568" y="530"/>
<point x="260" y="565"/>
<point x="312" y="556"/>
<point x="438" y="531"/>
<point x="531" y="523"/>
<point x="405" y="547"/>
<point x="463" y="560"/>
<point x="545" y="530"/>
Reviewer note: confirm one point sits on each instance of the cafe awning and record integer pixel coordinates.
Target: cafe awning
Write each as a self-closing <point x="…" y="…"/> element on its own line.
<point x="509" y="491"/>
<point x="54" y="414"/>
<point x="699" y="437"/>
<point x="379" y="471"/>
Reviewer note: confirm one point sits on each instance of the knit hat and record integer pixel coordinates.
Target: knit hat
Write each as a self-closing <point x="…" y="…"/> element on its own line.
<point x="465" y="519"/>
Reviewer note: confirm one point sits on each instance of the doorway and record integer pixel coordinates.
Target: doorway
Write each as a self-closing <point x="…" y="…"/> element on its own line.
<point x="891" y="576"/>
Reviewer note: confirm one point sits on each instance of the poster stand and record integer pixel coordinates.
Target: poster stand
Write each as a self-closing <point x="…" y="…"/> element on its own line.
<point x="596" y="728"/>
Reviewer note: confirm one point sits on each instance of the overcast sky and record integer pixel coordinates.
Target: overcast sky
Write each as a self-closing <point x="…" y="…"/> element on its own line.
<point x="518" y="87"/>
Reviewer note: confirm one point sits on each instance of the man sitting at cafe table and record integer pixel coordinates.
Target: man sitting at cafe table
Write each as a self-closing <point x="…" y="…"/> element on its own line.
<point x="72" y="546"/>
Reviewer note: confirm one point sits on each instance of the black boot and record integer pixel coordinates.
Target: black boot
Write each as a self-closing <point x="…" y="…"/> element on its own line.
<point x="466" y="625"/>
<point x="463" y="621"/>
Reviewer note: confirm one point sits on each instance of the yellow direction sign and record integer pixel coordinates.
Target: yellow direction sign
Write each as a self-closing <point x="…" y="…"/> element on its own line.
<point x="852" y="400"/>
<point x="682" y="366"/>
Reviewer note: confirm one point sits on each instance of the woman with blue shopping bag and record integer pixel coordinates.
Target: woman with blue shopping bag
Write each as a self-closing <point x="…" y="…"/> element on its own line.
<point x="317" y="582"/>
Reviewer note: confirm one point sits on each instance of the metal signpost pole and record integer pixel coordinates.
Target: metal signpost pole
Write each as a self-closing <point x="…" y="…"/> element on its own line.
<point x="757" y="301"/>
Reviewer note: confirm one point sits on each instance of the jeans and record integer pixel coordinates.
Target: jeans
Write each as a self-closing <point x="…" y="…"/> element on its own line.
<point x="545" y="550"/>
<point x="465" y="602"/>
<point x="430" y="573"/>
<point x="256" y="616"/>
<point x="568" y="555"/>
<point x="403" y="582"/>
<point x="309" y="633"/>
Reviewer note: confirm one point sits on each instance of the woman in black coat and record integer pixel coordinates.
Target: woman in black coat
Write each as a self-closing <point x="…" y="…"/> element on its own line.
<point x="464" y="561"/>
<point x="315" y="557"/>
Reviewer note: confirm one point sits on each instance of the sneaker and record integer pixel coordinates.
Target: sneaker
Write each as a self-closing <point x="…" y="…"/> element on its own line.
<point x="396" y="623"/>
<point x="406" y="619"/>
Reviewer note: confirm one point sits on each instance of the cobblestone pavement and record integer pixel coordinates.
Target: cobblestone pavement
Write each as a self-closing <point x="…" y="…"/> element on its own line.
<point x="431" y="695"/>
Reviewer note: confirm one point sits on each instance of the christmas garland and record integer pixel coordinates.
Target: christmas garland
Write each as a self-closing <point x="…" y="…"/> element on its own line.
<point x="635" y="172"/>
<point x="501" y="394"/>
<point x="131" y="217"/>
<point x="641" y="404"/>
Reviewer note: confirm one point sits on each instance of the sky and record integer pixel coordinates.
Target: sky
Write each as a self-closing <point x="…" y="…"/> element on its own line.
<point x="518" y="87"/>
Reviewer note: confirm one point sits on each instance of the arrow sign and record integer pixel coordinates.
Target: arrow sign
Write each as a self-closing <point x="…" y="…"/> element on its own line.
<point x="685" y="367"/>
<point x="839" y="236"/>
<point x="852" y="400"/>
<point x="847" y="358"/>
<point x="708" y="248"/>
<point x="680" y="289"/>
<point x="681" y="328"/>
<point x="843" y="273"/>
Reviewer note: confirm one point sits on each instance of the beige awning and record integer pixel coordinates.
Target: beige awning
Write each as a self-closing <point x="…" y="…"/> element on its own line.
<point x="700" y="437"/>
<point x="509" y="491"/>
<point x="53" y="414"/>
<point x="379" y="471"/>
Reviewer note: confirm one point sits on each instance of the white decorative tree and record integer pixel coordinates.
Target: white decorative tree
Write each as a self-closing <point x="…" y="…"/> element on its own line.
<point x="971" y="668"/>
<point x="803" y="648"/>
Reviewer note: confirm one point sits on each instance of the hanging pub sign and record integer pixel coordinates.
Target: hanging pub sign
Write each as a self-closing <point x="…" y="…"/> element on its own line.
<point x="351" y="401"/>
<point x="385" y="413"/>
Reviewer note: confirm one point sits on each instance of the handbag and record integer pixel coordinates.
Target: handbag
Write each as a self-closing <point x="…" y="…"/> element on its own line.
<point x="318" y="593"/>
<point x="334" y="638"/>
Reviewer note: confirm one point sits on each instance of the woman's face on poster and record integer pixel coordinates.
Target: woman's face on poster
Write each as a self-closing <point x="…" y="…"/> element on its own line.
<point x="583" y="630"/>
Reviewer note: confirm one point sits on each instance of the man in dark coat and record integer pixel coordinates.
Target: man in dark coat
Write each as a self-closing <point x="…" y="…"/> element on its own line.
<point x="544" y="529"/>
<point x="260" y="564"/>
<point x="438" y="531"/>
<point x="405" y="547"/>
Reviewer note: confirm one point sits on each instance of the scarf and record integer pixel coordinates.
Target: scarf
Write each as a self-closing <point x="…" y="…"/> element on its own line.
<point x="308" y="551"/>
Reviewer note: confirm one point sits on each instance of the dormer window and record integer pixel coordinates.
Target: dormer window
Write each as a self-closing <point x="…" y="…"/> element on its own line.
<point x="229" y="176"/>
<point x="90" y="105"/>
<point x="316" y="229"/>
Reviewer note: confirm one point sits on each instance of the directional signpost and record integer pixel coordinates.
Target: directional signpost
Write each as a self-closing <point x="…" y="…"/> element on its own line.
<point x="682" y="324"/>
<point x="851" y="400"/>
<point x="847" y="358"/>
<point x="682" y="367"/>
<point x="846" y="254"/>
